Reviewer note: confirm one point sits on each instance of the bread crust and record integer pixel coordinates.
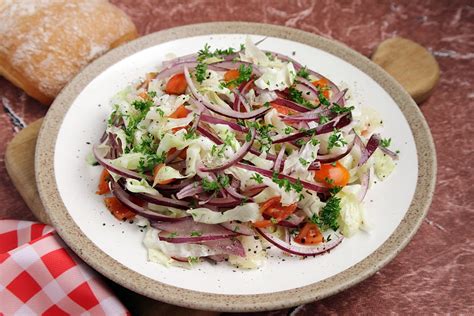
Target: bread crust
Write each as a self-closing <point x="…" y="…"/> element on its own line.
<point x="45" y="43"/>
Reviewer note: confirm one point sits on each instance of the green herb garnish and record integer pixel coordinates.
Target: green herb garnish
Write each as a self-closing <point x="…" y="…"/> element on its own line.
<point x="385" y="142"/>
<point x="297" y="96"/>
<point x="257" y="177"/>
<point x="303" y="73"/>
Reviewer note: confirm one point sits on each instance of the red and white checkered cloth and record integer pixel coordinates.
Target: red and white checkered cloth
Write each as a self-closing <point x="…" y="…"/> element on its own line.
<point x="40" y="276"/>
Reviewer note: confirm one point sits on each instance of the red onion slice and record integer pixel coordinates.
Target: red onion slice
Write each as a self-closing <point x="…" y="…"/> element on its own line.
<point x="338" y="122"/>
<point x="242" y="101"/>
<point x="290" y="104"/>
<point x="308" y="90"/>
<point x="388" y="152"/>
<point x="233" y="192"/>
<point x="254" y="190"/>
<point x="229" y="246"/>
<point x="244" y="86"/>
<point x="223" y="202"/>
<point x="175" y="186"/>
<point x="164" y="201"/>
<point x="292" y="222"/>
<point x="217" y="109"/>
<point x="304" y="251"/>
<point x="189" y="231"/>
<point x="338" y="97"/>
<point x="179" y="68"/>
<point x="240" y="228"/>
<point x="367" y="150"/>
<point x="364" y="183"/>
<point x="237" y="157"/>
<point x="209" y="135"/>
<point x="215" y="120"/>
<point x="269" y="174"/>
<point x="125" y="198"/>
<point x="118" y="170"/>
<point x="277" y="166"/>
<point x="190" y="190"/>
<point x="331" y="157"/>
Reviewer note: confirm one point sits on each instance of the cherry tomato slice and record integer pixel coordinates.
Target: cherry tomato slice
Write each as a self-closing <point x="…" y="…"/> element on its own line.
<point x="332" y="175"/>
<point x="309" y="235"/>
<point x="177" y="84"/>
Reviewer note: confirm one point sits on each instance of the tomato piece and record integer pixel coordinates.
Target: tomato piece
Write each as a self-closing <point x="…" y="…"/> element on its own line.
<point x="282" y="109"/>
<point x="181" y="155"/>
<point x="309" y="235"/>
<point x="180" y="112"/>
<point x="270" y="202"/>
<point x="118" y="209"/>
<point x="231" y="74"/>
<point x="155" y="172"/>
<point x="104" y="180"/>
<point x="263" y="223"/>
<point x="177" y="84"/>
<point x="275" y="210"/>
<point x="331" y="175"/>
<point x="143" y="95"/>
<point x="322" y="85"/>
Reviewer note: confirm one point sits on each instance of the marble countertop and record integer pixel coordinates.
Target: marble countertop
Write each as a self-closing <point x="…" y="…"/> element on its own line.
<point x="434" y="273"/>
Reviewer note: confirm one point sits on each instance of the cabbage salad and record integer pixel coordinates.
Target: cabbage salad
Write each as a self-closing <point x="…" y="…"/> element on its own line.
<point x="223" y="154"/>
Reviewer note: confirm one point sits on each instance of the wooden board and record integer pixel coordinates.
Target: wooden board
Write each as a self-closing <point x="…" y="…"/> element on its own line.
<point x="19" y="161"/>
<point x="409" y="63"/>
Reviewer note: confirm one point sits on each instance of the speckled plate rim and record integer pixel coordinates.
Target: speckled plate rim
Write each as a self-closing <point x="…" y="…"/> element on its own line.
<point x="99" y="260"/>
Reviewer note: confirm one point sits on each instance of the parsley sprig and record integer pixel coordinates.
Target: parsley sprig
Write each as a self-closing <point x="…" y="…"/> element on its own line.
<point x="385" y="142"/>
<point x="245" y="72"/>
<point x="303" y="73"/>
<point x="336" y="139"/>
<point x="297" y="96"/>
<point x="222" y="181"/>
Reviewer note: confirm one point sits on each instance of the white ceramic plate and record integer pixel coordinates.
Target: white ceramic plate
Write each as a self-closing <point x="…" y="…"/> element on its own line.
<point x="84" y="122"/>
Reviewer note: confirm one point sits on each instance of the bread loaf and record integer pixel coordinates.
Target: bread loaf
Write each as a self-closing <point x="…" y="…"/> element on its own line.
<point x="44" y="43"/>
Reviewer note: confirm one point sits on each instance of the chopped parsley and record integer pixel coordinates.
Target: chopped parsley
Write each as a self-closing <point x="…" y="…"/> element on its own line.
<point x="288" y="130"/>
<point x="323" y="100"/>
<point x="142" y="105"/>
<point x="245" y="72"/>
<point x="297" y="96"/>
<point x="151" y="94"/>
<point x="336" y="140"/>
<point x="263" y="131"/>
<point x="149" y="161"/>
<point x="221" y="182"/>
<point x="303" y="73"/>
<point x="206" y="52"/>
<point x="147" y="146"/>
<point x="201" y="72"/>
<point x="323" y="119"/>
<point x="287" y="184"/>
<point x="192" y="260"/>
<point x="304" y="162"/>
<point x="336" y="108"/>
<point x="172" y="235"/>
<point x="385" y="142"/>
<point x="196" y="234"/>
<point x="190" y="134"/>
<point x="330" y="213"/>
<point x="257" y="177"/>
<point x="314" y="141"/>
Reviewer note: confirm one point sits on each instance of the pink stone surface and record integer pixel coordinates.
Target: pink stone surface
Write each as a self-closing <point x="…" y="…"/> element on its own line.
<point x="435" y="272"/>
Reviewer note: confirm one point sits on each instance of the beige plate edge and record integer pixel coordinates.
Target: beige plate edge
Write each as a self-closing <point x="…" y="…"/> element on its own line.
<point x="81" y="245"/>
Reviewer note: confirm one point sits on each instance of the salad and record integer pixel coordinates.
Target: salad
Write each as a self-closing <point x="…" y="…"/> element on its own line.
<point x="223" y="154"/>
